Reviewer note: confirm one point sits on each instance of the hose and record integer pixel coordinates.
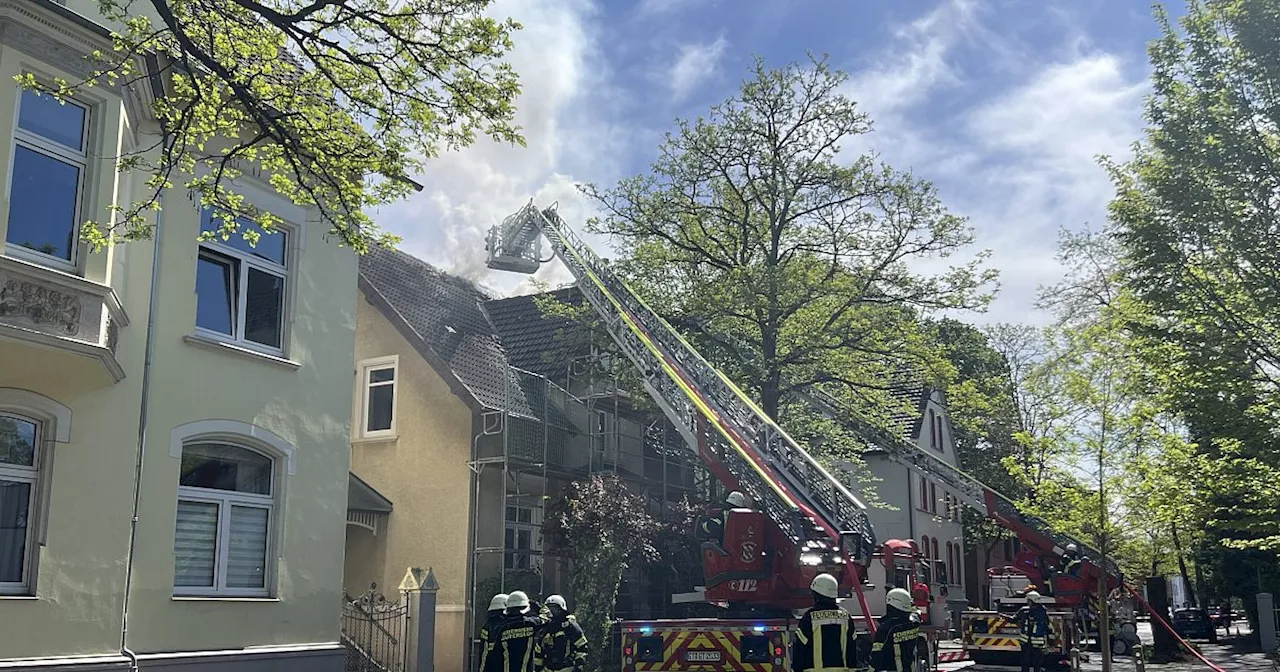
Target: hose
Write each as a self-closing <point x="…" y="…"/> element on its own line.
<point x="1176" y="636"/>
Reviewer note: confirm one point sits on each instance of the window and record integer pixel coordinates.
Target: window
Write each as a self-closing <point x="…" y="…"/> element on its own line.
<point x="924" y="546"/>
<point x="933" y="498"/>
<point x="933" y="431"/>
<point x="222" y="538"/>
<point x="240" y="289"/>
<point x="377" y="395"/>
<point x="45" y="196"/>
<point x="933" y="549"/>
<point x="942" y="441"/>
<point x="19" y="481"/>
<point x="521" y="542"/>
<point x="924" y="493"/>
<point x="953" y="559"/>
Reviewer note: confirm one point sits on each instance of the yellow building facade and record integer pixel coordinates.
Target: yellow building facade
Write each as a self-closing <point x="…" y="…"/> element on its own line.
<point x="174" y="415"/>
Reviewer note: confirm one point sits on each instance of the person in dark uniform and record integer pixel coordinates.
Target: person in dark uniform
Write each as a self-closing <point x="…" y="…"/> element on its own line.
<point x="514" y="642"/>
<point x="1033" y="624"/>
<point x="712" y="528"/>
<point x="497" y="612"/>
<point x="898" y="635"/>
<point x="563" y="644"/>
<point x="824" y="639"/>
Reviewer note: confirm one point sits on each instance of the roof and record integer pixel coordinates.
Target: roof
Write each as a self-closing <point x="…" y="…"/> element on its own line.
<point x="362" y="497"/>
<point x="912" y="395"/>
<point x="533" y="341"/>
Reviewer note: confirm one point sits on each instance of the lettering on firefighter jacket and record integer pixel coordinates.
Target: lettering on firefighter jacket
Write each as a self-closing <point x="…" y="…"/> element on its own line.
<point x="1033" y="624"/>
<point x="824" y="640"/>
<point x="514" y="643"/>
<point x="563" y="644"/>
<point x="894" y="646"/>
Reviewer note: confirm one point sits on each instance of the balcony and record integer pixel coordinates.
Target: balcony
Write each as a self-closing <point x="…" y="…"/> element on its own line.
<point x="58" y="312"/>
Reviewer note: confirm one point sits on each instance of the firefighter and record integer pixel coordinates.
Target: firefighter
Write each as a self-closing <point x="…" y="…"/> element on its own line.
<point x="514" y="642"/>
<point x="824" y="638"/>
<point x="712" y="528"/>
<point x="898" y="635"/>
<point x="1070" y="561"/>
<point x="497" y="609"/>
<point x="1033" y="624"/>
<point x="564" y="646"/>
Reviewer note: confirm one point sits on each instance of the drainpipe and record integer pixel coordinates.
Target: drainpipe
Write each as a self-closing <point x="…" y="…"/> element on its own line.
<point x="143" y="408"/>
<point x="473" y="530"/>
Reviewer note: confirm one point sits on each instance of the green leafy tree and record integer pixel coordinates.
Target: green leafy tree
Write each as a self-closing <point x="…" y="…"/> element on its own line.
<point x="602" y="527"/>
<point x="788" y="266"/>
<point x="336" y="102"/>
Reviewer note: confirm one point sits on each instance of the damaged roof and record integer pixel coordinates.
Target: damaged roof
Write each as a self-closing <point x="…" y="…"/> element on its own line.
<point x="534" y="342"/>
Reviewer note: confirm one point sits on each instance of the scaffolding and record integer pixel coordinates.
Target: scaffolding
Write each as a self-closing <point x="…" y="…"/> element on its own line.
<point x="545" y="436"/>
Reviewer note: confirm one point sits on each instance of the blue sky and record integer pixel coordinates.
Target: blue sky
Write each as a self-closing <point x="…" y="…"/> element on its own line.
<point x="1004" y="104"/>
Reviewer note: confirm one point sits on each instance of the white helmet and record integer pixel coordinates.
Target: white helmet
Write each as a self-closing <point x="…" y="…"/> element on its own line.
<point x="1033" y="597"/>
<point x="498" y="603"/>
<point x="518" y="600"/>
<point x="825" y="585"/>
<point x="737" y="500"/>
<point x="557" y="601"/>
<point x="899" y="599"/>
<point x="1072" y="548"/>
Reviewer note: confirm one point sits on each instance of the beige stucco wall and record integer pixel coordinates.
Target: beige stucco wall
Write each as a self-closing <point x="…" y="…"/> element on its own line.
<point x="80" y="587"/>
<point x="424" y="473"/>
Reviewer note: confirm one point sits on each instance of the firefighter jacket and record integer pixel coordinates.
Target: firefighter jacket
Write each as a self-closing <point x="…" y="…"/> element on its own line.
<point x="824" y="640"/>
<point x="563" y="644"/>
<point x="894" y="646"/>
<point x="490" y="663"/>
<point x="514" y="642"/>
<point x="712" y="528"/>
<point x="1033" y="624"/>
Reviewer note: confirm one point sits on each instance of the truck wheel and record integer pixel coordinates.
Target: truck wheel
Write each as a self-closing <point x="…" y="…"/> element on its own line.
<point x="1120" y="647"/>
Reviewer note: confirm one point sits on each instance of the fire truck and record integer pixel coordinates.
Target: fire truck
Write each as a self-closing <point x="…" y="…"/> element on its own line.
<point x="804" y="521"/>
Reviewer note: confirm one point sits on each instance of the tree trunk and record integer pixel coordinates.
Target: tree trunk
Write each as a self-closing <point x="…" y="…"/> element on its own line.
<point x="1165" y="647"/>
<point x="1182" y="567"/>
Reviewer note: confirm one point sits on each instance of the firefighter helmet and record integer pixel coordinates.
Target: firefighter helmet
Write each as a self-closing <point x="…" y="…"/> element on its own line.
<point x="737" y="500"/>
<point x="518" y="600"/>
<point x="557" y="601"/>
<point x="498" y="603"/>
<point x="899" y="599"/>
<point x="1072" y="548"/>
<point x="1033" y="597"/>
<point x="825" y="585"/>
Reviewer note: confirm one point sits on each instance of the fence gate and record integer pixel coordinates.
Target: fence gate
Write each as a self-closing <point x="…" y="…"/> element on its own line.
<point x="375" y="633"/>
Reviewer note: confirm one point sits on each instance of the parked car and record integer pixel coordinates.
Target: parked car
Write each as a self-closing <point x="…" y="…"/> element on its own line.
<point x="1194" y="624"/>
<point x="1223" y="616"/>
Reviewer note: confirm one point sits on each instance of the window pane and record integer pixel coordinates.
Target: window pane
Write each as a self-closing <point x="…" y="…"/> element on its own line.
<point x="271" y="246"/>
<point x="15" y="504"/>
<point x="195" y="544"/>
<point x="17" y="442"/>
<point x="216" y="292"/>
<point x="386" y="375"/>
<point x="381" y="401"/>
<point x="42" y="205"/>
<point x="264" y="303"/>
<point x="222" y="467"/>
<point x="247" y="548"/>
<point x="46" y="117"/>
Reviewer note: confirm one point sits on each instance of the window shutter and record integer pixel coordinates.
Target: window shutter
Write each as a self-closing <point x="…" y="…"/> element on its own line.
<point x="195" y="544"/>
<point x="247" y="547"/>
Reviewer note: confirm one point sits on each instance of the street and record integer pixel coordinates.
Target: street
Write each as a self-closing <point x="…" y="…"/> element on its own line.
<point x="1232" y="654"/>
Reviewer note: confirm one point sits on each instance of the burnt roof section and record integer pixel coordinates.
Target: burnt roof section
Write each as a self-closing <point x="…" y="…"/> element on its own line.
<point x="533" y="341"/>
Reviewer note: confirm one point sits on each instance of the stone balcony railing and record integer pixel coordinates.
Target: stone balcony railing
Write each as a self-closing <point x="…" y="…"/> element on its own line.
<point x="57" y="310"/>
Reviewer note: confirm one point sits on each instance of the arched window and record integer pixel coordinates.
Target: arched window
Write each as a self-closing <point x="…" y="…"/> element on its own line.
<point x="226" y="510"/>
<point x="933" y="431"/>
<point x="20" y="457"/>
<point x="924" y="546"/>
<point x="933" y="545"/>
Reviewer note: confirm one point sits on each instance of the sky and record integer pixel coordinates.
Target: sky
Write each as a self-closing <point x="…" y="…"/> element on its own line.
<point x="1003" y="104"/>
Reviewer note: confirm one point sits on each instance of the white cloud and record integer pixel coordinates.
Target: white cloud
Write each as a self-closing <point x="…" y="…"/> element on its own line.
<point x="562" y="110"/>
<point x="694" y="65"/>
<point x="663" y="6"/>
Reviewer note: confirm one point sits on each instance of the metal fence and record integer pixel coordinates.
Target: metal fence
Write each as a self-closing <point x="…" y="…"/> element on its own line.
<point x="375" y="633"/>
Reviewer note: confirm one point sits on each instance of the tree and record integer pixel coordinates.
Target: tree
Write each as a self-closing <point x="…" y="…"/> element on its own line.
<point x="602" y="527"/>
<point x="337" y="102"/>
<point x="753" y="233"/>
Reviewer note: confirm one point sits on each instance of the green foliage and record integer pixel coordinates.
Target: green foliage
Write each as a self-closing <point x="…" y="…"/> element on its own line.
<point x="788" y="267"/>
<point x="336" y="102"/>
<point x="602" y="527"/>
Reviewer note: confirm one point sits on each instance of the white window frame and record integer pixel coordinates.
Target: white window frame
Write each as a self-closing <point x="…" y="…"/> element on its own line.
<point x="225" y="499"/>
<point x="219" y="248"/>
<point x="363" y="369"/>
<point x="534" y="527"/>
<point x="33" y="476"/>
<point x="58" y="152"/>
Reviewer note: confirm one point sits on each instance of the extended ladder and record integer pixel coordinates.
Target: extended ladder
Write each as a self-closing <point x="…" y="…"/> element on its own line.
<point x="743" y="444"/>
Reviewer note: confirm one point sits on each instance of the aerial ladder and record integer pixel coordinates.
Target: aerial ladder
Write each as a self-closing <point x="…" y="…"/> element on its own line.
<point x="803" y="521"/>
